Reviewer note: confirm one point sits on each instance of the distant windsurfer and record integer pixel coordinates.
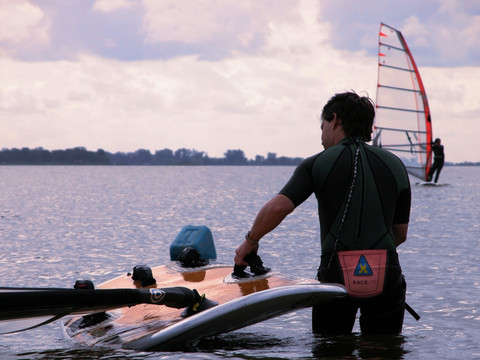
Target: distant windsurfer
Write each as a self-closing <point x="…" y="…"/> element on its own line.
<point x="363" y="194"/>
<point x="438" y="160"/>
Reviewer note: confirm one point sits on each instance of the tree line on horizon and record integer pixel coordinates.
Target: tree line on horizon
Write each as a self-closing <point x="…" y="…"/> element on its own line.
<point x="82" y="156"/>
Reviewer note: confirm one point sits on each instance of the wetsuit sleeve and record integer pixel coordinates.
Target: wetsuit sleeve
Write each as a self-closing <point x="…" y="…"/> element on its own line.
<point x="300" y="186"/>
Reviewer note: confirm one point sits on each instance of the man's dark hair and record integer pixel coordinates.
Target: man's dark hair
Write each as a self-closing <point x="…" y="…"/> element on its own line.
<point x="355" y="112"/>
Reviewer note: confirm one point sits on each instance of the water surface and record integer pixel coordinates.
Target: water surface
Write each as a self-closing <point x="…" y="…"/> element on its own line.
<point x="62" y="223"/>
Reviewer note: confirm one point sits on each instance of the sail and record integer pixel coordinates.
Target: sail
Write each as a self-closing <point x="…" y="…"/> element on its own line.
<point x="403" y="123"/>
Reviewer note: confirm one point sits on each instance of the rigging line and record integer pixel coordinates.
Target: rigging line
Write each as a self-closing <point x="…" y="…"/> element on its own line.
<point x="401" y="130"/>
<point x="404" y="145"/>
<point x="390" y="46"/>
<point x="386" y="147"/>
<point x="396" y="68"/>
<point x="410" y="141"/>
<point x="400" y="145"/>
<point x="400" y="109"/>
<point x="399" y="88"/>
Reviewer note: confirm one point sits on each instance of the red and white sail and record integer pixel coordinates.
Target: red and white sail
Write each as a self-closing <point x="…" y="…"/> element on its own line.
<point x="403" y="124"/>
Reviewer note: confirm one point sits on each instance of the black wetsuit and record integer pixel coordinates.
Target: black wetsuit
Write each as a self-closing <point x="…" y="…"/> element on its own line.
<point x="380" y="199"/>
<point x="438" y="160"/>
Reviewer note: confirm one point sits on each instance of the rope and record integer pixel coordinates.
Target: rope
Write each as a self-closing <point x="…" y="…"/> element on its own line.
<point x="347" y="204"/>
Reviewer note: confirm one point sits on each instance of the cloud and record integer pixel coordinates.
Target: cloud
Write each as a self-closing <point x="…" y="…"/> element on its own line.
<point x="452" y="94"/>
<point x="213" y="29"/>
<point x="23" y="25"/>
<point x="440" y="33"/>
<point x="258" y="103"/>
<point x="112" y="5"/>
<point x="256" y="79"/>
<point x="449" y="36"/>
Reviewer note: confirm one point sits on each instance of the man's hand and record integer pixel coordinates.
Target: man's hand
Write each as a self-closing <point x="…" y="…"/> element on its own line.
<point x="243" y="250"/>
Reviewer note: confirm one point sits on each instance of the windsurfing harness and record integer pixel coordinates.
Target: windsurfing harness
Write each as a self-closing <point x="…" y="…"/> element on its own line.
<point x="363" y="270"/>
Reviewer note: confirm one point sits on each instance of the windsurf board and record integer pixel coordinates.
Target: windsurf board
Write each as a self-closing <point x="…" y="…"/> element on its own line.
<point x="430" y="184"/>
<point x="241" y="302"/>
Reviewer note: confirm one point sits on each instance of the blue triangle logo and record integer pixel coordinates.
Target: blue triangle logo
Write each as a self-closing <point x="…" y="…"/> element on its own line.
<point x="363" y="268"/>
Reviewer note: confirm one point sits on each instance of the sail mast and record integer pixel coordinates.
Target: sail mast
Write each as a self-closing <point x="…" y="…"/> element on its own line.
<point x="426" y="107"/>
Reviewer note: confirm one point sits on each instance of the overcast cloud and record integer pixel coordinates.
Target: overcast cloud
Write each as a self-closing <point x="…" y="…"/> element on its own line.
<point x="216" y="75"/>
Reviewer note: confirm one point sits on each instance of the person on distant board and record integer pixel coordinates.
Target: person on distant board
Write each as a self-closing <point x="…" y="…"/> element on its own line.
<point x="438" y="160"/>
<point x="364" y="197"/>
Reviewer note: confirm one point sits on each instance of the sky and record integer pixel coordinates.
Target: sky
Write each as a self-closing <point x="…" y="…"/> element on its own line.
<point x="218" y="75"/>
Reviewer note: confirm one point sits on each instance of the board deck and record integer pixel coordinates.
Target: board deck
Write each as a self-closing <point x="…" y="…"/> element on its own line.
<point x="242" y="302"/>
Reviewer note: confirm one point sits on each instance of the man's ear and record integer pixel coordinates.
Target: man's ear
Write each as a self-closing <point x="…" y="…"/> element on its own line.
<point x="336" y="121"/>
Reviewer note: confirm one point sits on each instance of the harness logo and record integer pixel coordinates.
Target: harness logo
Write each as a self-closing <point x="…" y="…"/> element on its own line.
<point x="156" y="295"/>
<point x="363" y="271"/>
<point x="363" y="268"/>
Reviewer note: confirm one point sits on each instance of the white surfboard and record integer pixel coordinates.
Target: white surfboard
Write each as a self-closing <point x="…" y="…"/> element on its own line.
<point x="242" y="302"/>
<point x="239" y="313"/>
<point x="428" y="183"/>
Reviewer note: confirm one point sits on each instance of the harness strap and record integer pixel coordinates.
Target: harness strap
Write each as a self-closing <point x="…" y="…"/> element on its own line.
<point x="412" y="312"/>
<point x="347" y="204"/>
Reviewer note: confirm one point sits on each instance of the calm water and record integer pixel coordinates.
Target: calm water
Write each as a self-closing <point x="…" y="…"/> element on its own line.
<point x="59" y="224"/>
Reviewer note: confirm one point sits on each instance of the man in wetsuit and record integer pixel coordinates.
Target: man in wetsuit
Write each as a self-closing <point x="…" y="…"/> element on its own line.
<point x="438" y="160"/>
<point x="363" y="195"/>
